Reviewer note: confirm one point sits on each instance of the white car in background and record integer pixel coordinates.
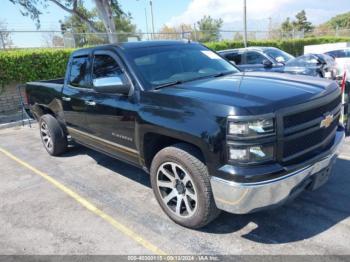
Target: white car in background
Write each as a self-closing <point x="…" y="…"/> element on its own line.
<point x="340" y="51"/>
<point x="342" y="58"/>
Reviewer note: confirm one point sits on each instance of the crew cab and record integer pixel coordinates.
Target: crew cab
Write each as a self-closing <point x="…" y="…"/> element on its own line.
<point x="211" y="137"/>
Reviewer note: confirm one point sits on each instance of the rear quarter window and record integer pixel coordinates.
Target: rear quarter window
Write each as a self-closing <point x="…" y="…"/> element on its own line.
<point x="79" y="74"/>
<point x="234" y="57"/>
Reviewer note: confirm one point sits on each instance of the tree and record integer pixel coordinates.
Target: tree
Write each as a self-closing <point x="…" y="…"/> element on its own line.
<point x="106" y="10"/>
<point x="238" y="37"/>
<point x="341" y="21"/>
<point x="176" y="32"/>
<point x="5" y="37"/>
<point x="51" y="39"/>
<point x="287" y="26"/>
<point x="80" y="31"/>
<point x="209" y="29"/>
<point x="301" y="23"/>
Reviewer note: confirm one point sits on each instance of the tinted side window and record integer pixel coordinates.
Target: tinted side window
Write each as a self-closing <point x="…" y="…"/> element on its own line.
<point x="105" y="66"/>
<point x="253" y="58"/>
<point x="235" y="57"/>
<point x="79" y="75"/>
<point x="337" y="53"/>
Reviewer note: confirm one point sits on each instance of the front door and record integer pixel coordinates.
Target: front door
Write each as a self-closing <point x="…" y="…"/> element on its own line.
<point x="111" y="117"/>
<point x="252" y="61"/>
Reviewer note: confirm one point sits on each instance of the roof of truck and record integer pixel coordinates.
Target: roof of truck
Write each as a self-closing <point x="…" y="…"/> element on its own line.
<point x="132" y="45"/>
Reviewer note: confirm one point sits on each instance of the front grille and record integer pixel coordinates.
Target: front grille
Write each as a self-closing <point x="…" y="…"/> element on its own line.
<point x="308" y="115"/>
<point x="302" y="132"/>
<point x="304" y="142"/>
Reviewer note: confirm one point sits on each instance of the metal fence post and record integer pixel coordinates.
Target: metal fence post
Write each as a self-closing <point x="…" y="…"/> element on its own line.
<point x="195" y="32"/>
<point x="2" y="40"/>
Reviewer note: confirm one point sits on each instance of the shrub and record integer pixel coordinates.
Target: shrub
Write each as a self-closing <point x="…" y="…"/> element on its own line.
<point x="293" y="46"/>
<point x="32" y="64"/>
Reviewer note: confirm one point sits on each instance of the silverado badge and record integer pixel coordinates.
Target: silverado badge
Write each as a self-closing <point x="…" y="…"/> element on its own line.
<point x="327" y="121"/>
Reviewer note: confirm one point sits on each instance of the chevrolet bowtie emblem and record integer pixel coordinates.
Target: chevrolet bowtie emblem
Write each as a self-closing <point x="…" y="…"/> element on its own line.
<point x="327" y="121"/>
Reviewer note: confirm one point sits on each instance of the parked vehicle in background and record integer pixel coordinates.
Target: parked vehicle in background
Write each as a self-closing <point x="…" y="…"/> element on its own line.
<point x="342" y="58"/>
<point x="340" y="51"/>
<point x="211" y="137"/>
<point x="318" y="65"/>
<point x="257" y="58"/>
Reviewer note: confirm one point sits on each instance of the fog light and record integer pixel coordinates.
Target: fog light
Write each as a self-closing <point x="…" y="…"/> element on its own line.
<point x="251" y="154"/>
<point x="238" y="154"/>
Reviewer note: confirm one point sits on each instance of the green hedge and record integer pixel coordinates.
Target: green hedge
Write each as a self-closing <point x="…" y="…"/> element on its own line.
<point x="32" y="64"/>
<point x="294" y="47"/>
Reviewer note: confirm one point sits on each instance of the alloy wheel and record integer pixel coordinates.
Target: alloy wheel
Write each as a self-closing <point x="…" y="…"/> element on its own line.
<point x="46" y="136"/>
<point x="177" y="189"/>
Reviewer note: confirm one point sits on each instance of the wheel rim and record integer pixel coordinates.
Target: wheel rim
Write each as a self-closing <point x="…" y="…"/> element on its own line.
<point x="177" y="189"/>
<point x="45" y="135"/>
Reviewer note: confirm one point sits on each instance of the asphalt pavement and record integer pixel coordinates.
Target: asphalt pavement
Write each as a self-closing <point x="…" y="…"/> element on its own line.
<point x="87" y="203"/>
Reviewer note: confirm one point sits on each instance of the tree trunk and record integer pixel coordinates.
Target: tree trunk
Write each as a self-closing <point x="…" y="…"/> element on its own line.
<point x="104" y="10"/>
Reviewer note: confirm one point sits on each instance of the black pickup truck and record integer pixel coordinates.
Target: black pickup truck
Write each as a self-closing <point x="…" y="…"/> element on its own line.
<point x="211" y="137"/>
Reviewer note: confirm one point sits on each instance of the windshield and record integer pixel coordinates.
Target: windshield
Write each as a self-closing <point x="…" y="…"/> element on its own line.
<point x="278" y="55"/>
<point x="160" y="65"/>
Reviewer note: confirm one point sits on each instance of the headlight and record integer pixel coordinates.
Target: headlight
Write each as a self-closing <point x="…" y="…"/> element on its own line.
<point x="251" y="128"/>
<point x="251" y="154"/>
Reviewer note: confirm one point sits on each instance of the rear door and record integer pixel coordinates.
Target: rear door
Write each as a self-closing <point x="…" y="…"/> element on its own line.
<point x="76" y="92"/>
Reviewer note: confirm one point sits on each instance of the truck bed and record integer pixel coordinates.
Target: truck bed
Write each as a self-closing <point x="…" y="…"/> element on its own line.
<point x="45" y="91"/>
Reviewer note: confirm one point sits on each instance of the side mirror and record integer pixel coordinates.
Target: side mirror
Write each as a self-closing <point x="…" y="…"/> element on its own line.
<point x="113" y="84"/>
<point x="280" y="59"/>
<point x="267" y="63"/>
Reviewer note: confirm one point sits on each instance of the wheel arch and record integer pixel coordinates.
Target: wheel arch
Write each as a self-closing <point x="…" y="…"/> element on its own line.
<point x="153" y="142"/>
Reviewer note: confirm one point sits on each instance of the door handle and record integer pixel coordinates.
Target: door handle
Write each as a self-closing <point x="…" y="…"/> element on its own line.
<point x="64" y="98"/>
<point x="90" y="103"/>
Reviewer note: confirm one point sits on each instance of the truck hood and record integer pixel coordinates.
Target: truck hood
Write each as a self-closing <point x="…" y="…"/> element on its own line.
<point x="262" y="91"/>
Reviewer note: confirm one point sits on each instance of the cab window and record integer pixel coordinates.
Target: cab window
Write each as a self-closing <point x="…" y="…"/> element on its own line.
<point x="105" y="66"/>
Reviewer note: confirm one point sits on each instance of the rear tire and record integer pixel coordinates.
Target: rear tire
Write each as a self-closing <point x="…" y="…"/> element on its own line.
<point x="181" y="185"/>
<point x="52" y="135"/>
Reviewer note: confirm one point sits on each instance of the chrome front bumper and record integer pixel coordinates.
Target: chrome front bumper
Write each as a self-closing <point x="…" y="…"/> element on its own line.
<point x="242" y="198"/>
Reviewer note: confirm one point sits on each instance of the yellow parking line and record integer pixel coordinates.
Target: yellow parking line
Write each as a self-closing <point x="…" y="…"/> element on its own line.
<point x="88" y="205"/>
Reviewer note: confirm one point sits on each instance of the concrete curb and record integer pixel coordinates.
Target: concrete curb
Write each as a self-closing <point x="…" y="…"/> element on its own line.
<point x="25" y="122"/>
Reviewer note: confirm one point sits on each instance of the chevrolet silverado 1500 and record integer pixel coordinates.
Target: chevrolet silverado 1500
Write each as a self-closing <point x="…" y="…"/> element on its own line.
<point x="211" y="137"/>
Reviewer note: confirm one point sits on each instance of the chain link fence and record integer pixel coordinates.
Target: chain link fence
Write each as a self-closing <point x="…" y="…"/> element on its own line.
<point x="57" y="39"/>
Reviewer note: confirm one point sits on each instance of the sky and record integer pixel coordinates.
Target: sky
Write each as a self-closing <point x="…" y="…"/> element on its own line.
<point x="174" y="12"/>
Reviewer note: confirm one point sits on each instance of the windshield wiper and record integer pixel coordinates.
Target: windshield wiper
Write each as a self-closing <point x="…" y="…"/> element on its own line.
<point x="224" y="73"/>
<point x="193" y="79"/>
<point x="168" y="84"/>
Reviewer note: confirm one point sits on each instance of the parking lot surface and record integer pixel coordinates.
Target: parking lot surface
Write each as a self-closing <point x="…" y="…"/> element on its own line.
<point x="87" y="203"/>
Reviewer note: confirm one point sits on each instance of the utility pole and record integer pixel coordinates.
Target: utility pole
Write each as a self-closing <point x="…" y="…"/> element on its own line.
<point x="151" y="5"/>
<point x="152" y="17"/>
<point x="245" y="22"/>
<point x="146" y="23"/>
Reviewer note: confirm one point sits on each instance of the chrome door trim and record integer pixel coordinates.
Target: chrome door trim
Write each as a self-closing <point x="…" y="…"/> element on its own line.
<point x="116" y="145"/>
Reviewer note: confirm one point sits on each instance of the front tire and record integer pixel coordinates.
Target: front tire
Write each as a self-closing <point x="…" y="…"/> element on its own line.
<point x="52" y="135"/>
<point x="181" y="184"/>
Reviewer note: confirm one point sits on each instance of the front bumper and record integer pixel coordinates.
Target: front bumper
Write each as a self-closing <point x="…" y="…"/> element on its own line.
<point x="242" y="198"/>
